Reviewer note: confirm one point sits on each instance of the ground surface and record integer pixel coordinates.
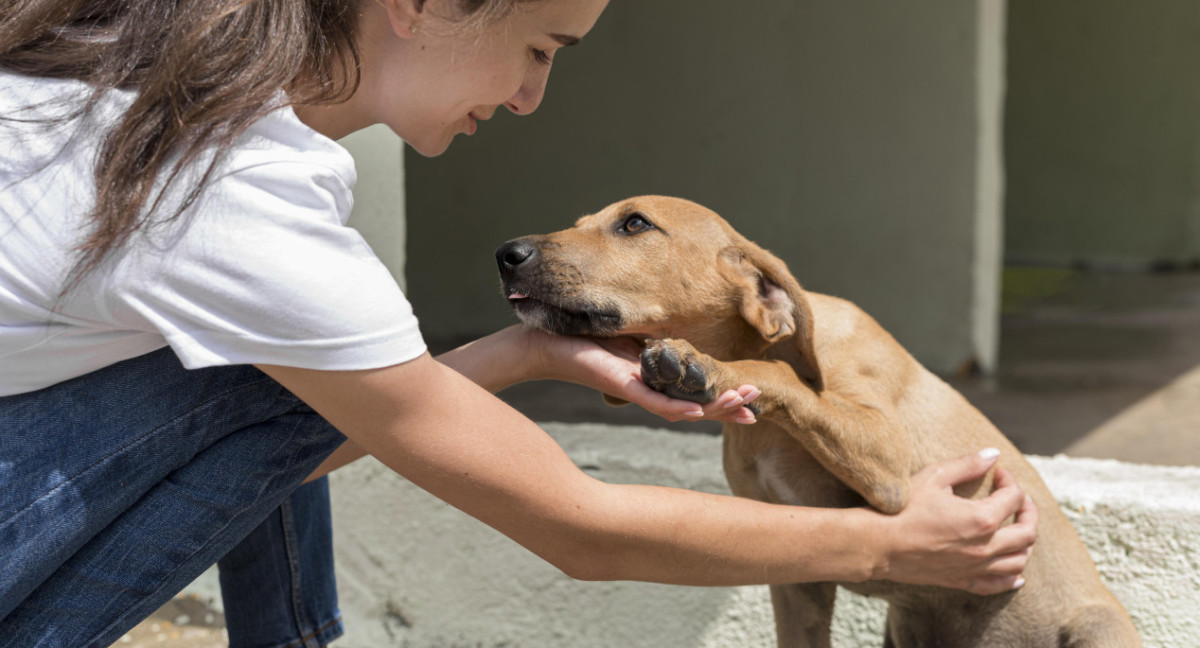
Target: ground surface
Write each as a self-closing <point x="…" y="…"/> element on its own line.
<point x="187" y="621"/>
<point x="1099" y="365"/>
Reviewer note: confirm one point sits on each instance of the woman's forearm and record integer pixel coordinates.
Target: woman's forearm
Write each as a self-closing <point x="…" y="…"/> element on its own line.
<point x="494" y="362"/>
<point x="489" y="362"/>
<point x="469" y="449"/>
<point x="445" y="434"/>
<point x="685" y="537"/>
<point x="939" y="539"/>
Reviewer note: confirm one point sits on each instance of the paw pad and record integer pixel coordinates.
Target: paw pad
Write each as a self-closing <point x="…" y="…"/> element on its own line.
<point x="676" y="372"/>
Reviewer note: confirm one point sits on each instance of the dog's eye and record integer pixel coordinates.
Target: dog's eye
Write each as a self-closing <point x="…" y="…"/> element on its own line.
<point x="635" y="224"/>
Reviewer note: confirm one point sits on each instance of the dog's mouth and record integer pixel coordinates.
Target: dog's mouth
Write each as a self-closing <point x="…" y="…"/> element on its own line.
<point x="564" y="316"/>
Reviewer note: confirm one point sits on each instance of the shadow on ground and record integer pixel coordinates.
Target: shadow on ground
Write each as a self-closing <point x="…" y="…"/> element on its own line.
<point x="1098" y="364"/>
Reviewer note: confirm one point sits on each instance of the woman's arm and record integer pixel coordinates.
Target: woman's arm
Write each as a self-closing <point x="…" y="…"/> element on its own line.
<point x="450" y="436"/>
<point x="519" y="353"/>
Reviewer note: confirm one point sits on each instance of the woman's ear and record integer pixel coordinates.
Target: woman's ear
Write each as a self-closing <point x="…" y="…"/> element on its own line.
<point x="403" y="16"/>
<point x="772" y="302"/>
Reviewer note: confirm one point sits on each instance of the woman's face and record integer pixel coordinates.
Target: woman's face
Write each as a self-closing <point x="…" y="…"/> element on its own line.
<point x="438" y="80"/>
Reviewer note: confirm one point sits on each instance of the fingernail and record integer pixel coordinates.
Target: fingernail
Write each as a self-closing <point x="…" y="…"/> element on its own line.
<point x="1018" y="583"/>
<point x="989" y="453"/>
<point x="752" y="395"/>
<point x="694" y="413"/>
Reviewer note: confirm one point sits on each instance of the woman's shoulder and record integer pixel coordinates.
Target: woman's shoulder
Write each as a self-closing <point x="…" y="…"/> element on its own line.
<point x="281" y="140"/>
<point x="49" y="108"/>
<point x="44" y="100"/>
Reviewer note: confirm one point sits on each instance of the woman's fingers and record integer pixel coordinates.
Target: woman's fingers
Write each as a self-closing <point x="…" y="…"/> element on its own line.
<point x="1002" y="573"/>
<point x="952" y="472"/>
<point x="987" y="585"/>
<point x="1006" y="502"/>
<point x="1021" y="534"/>
<point x="730" y="406"/>
<point x="1012" y="564"/>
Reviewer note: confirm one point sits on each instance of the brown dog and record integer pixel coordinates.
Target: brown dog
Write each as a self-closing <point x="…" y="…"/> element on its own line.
<point x="845" y="415"/>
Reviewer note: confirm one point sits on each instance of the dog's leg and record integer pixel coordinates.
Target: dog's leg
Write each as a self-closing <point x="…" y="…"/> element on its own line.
<point x="1099" y="627"/>
<point x="803" y="614"/>
<point x="853" y="441"/>
<point x="888" y="640"/>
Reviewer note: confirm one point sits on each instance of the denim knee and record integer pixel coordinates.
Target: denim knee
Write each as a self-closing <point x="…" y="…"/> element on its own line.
<point x="118" y="488"/>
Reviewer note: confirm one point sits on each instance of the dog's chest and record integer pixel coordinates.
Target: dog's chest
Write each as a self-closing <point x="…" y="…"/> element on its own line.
<point x="764" y="462"/>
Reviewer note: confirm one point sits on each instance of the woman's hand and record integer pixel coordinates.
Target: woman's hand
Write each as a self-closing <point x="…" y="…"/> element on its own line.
<point x="942" y="539"/>
<point x="613" y="366"/>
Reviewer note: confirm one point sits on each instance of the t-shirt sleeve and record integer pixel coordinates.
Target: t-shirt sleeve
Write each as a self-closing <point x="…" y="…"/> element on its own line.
<point x="262" y="269"/>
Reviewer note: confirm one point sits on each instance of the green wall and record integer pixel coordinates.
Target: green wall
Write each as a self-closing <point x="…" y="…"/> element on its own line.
<point x="379" y="194"/>
<point x="845" y="136"/>
<point x="1102" y="132"/>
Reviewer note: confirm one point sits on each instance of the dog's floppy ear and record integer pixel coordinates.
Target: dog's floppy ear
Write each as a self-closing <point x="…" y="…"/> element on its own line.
<point x="764" y="303"/>
<point x="773" y="303"/>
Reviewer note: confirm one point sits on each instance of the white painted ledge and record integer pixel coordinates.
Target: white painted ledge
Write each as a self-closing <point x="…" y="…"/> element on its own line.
<point x="416" y="573"/>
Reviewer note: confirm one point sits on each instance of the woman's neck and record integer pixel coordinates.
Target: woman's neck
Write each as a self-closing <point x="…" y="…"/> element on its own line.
<point x="334" y="121"/>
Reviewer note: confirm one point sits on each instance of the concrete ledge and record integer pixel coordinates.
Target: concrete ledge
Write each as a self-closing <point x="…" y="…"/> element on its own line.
<point x="416" y="573"/>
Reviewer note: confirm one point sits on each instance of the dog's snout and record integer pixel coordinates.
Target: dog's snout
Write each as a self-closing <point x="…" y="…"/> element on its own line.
<point x="513" y="254"/>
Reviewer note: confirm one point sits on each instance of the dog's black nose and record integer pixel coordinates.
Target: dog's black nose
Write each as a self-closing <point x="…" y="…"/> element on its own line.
<point x="514" y="253"/>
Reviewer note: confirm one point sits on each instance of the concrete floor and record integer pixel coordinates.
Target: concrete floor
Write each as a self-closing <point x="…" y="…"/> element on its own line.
<point x="1096" y="365"/>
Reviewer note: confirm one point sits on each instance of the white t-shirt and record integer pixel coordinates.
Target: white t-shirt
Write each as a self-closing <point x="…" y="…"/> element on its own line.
<point x="261" y="269"/>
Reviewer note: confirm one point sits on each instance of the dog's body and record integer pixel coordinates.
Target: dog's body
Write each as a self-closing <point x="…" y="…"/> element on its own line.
<point x="846" y="414"/>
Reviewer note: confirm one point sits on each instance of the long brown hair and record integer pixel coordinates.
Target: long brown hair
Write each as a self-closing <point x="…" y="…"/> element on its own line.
<point x="204" y="70"/>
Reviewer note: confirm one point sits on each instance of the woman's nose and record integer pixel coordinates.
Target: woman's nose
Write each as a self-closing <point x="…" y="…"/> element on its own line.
<point x="529" y="95"/>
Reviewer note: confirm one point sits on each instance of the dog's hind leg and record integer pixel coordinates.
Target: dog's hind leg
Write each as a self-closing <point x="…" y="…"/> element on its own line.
<point x="803" y="614"/>
<point x="1099" y="627"/>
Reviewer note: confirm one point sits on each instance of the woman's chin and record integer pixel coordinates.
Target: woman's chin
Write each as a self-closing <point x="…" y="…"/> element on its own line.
<point x="431" y="149"/>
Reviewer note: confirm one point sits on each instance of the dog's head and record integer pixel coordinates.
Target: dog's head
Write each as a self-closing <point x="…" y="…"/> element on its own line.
<point x="658" y="267"/>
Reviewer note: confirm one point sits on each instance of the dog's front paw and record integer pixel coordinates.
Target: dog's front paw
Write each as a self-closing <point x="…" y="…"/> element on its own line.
<point x="678" y="370"/>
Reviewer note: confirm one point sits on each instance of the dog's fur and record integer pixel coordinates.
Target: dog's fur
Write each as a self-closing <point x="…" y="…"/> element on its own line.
<point x="846" y="415"/>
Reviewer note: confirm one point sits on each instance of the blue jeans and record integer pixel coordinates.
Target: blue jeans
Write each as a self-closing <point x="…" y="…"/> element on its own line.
<point x="118" y="488"/>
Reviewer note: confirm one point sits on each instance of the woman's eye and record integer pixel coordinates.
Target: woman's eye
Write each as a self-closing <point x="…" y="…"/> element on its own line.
<point x="541" y="56"/>
<point x="635" y="224"/>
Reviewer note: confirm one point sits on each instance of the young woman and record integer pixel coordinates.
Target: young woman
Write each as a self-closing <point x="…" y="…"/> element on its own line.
<point x="187" y="330"/>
